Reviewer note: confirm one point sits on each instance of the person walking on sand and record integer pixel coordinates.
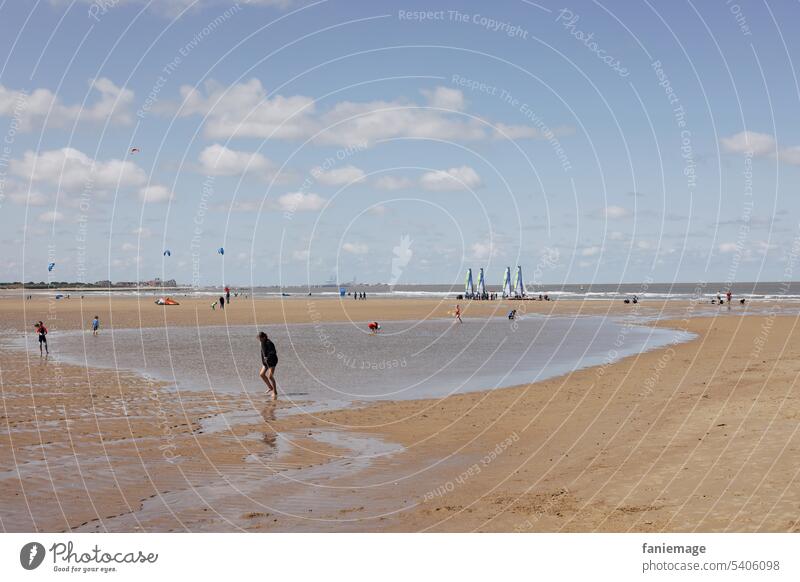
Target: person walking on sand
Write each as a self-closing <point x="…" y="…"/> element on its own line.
<point x="96" y="325"/>
<point x="222" y="302"/>
<point x="42" y="331"/>
<point x="269" y="360"/>
<point x="228" y="295"/>
<point x="214" y="306"/>
<point x="458" y="313"/>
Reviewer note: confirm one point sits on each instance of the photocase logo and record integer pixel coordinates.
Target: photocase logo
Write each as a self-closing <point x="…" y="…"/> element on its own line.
<point x="31" y="555"/>
<point x="402" y="256"/>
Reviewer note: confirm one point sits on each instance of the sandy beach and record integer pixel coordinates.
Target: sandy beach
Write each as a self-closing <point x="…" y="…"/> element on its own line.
<point x="697" y="436"/>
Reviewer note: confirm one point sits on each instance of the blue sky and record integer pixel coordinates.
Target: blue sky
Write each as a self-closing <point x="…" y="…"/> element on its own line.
<point x="403" y="142"/>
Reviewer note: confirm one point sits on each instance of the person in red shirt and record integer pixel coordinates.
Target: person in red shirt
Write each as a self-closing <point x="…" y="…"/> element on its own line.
<point x="42" y="331"/>
<point x="374" y="326"/>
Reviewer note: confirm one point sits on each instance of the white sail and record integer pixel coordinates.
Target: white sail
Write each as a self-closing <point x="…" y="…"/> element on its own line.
<point x="507" y="283"/>
<point x="481" y="284"/>
<point x="519" y="285"/>
<point x="469" y="288"/>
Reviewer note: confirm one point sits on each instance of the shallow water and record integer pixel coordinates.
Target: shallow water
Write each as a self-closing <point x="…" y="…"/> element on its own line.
<point x="333" y="364"/>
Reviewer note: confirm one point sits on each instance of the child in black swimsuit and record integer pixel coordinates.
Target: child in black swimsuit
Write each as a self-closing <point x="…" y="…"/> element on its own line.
<point x="42" y="331"/>
<point x="269" y="361"/>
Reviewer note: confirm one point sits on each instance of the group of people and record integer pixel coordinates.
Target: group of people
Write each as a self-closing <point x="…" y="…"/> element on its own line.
<point x="357" y="295"/>
<point x="728" y="297"/>
<point x="482" y="296"/>
<point x="222" y="300"/>
<point x="42" y="331"/>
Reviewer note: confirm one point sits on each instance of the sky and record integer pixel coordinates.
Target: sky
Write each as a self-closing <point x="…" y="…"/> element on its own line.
<point x="398" y="142"/>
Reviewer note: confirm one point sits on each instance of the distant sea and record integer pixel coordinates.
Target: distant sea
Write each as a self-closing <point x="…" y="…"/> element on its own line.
<point x="597" y="291"/>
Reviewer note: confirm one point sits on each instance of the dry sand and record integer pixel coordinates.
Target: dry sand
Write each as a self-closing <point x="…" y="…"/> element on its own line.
<point x="698" y="436"/>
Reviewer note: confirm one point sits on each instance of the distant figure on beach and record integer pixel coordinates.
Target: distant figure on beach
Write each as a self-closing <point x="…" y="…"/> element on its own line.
<point x="635" y="300"/>
<point x="269" y="360"/>
<point x="512" y="314"/>
<point x="626" y="301"/>
<point x="228" y="294"/>
<point x="214" y="306"/>
<point x="458" y="313"/>
<point x="741" y="300"/>
<point x="374" y="326"/>
<point x="728" y="295"/>
<point x="42" y="331"/>
<point x="95" y="325"/>
<point x="221" y="302"/>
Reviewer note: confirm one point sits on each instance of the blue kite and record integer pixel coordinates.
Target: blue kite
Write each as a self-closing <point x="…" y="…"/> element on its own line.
<point x="221" y="251"/>
<point x="50" y="267"/>
<point x="167" y="253"/>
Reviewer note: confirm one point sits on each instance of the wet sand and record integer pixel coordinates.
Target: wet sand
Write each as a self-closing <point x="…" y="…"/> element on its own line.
<point x="697" y="436"/>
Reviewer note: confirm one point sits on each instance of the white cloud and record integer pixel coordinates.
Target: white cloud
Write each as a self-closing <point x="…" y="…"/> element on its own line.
<point x="482" y="250"/>
<point x="51" y="216"/>
<point x="218" y="160"/>
<point x="142" y="232"/>
<point x="445" y="98"/>
<point x="763" y="247"/>
<point x="760" y="144"/>
<point x="616" y="235"/>
<point x="300" y="202"/>
<point x="128" y="247"/>
<point x="72" y="170"/>
<point x="504" y="131"/>
<point x="43" y="107"/>
<point x="155" y="194"/>
<point x="300" y="255"/>
<point x="248" y="206"/>
<point x="22" y="196"/>
<point x="248" y="110"/>
<point x="339" y="176"/>
<point x="393" y="183"/>
<point x="245" y="110"/>
<point x="728" y="247"/>
<point x="591" y="251"/>
<point x="378" y="210"/>
<point x="349" y="123"/>
<point x="461" y="178"/>
<point x="791" y="155"/>
<point x="355" y="248"/>
<point x="615" y="212"/>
